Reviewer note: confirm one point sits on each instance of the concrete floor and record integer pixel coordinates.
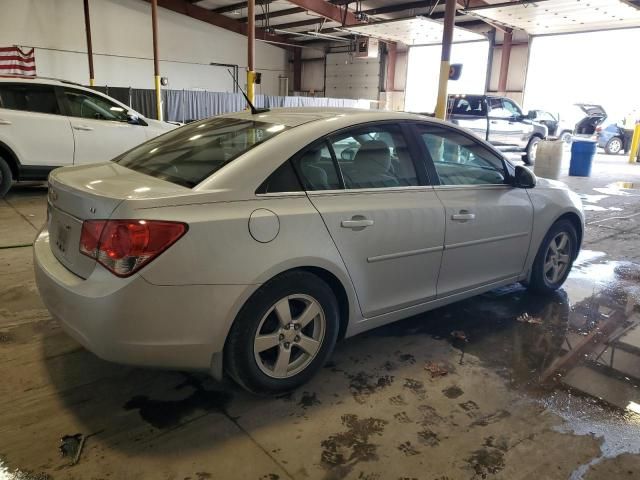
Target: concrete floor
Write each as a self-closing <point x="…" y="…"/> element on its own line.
<point x="530" y="390"/>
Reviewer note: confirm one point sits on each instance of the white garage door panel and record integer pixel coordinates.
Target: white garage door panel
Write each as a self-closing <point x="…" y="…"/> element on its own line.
<point x="351" y="77"/>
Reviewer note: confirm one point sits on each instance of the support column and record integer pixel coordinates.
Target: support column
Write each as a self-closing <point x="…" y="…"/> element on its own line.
<point x="156" y="62"/>
<point x="297" y="70"/>
<point x="447" y="39"/>
<point x="87" y="28"/>
<point x="251" y="49"/>
<point x="392" y="50"/>
<point x="504" y="61"/>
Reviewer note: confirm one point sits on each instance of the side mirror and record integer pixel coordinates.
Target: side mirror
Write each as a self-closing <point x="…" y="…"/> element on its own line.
<point x="133" y="119"/>
<point x="531" y="115"/>
<point x="524" y="178"/>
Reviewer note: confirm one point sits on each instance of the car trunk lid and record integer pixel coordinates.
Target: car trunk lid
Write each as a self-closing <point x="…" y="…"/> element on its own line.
<point x="595" y="115"/>
<point x="93" y="192"/>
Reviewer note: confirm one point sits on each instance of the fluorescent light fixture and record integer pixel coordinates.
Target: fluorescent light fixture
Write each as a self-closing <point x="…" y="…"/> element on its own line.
<point x="153" y="150"/>
<point x="117" y="109"/>
<point x="195" y="137"/>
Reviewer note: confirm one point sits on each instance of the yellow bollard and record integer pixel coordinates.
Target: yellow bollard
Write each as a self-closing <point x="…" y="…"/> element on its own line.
<point x="251" y="82"/>
<point x="633" y="152"/>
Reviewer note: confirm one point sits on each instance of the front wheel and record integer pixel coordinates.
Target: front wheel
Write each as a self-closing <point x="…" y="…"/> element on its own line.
<point x="613" y="146"/>
<point x="532" y="148"/>
<point x="283" y="334"/>
<point x="555" y="257"/>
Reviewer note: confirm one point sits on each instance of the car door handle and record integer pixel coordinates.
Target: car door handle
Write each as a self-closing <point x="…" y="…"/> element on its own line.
<point x="84" y="128"/>
<point x="494" y="122"/>
<point x="357" y="223"/>
<point x="4" y="122"/>
<point x="463" y="216"/>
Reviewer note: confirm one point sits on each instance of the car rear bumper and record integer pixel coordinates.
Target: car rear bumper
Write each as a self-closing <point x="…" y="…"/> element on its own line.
<point x="131" y="321"/>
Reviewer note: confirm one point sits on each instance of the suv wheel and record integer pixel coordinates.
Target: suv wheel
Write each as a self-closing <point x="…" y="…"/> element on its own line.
<point x="555" y="257"/>
<point x="613" y="146"/>
<point x="283" y="334"/>
<point x="5" y="177"/>
<point x="532" y="148"/>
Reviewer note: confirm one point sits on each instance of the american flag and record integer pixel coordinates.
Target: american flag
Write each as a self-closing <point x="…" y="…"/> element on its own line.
<point x="15" y="61"/>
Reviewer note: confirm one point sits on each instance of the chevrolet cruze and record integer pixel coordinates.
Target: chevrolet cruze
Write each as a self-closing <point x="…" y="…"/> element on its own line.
<point x="247" y="245"/>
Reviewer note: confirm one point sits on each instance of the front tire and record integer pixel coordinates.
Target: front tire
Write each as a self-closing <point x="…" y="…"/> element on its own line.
<point x="613" y="146"/>
<point x="6" y="178"/>
<point x="283" y="334"/>
<point x="532" y="148"/>
<point x="555" y="258"/>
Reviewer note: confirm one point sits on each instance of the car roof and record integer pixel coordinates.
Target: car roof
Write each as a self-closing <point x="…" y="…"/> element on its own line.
<point x="293" y="117"/>
<point x="41" y="80"/>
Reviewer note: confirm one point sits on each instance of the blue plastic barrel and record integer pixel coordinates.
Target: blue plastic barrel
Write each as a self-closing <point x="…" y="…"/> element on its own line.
<point x="582" y="154"/>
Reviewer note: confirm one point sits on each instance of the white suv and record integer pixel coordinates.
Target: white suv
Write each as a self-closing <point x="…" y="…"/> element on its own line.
<point x="46" y="124"/>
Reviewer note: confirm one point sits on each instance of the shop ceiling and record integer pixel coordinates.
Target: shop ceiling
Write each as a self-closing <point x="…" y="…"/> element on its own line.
<point x="303" y="21"/>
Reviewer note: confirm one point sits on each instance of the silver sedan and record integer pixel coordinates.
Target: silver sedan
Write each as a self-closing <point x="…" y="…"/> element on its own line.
<point x="249" y="244"/>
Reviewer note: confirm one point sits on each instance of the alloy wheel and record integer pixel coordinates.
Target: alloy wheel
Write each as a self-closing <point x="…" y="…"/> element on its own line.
<point x="558" y="257"/>
<point x="615" y="146"/>
<point x="289" y="336"/>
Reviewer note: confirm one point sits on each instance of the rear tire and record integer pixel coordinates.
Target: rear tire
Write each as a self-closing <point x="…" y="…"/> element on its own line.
<point x="6" y="178"/>
<point x="530" y="156"/>
<point x="270" y="348"/>
<point x="614" y="146"/>
<point x="555" y="258"/>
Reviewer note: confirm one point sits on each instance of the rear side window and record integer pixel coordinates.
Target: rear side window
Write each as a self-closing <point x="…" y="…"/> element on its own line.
<point x="284" y="179"/>
<point x="188" y="155"/>
<point x="29" y="98"/>
<point x="317" y="169"/>
<point x="374" y="157"/>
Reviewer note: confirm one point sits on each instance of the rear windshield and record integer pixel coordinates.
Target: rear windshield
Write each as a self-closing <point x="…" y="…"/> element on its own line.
<point x="189" y="154"/>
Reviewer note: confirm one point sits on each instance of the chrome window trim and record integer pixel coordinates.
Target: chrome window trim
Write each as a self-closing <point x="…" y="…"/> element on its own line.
<point x="281" y="194"/>
<point x="487" y="186"/>
<point x="357" y="191"/>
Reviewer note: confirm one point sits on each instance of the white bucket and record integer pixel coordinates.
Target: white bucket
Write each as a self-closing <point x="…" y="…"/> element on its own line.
<point x="549" y="159"/>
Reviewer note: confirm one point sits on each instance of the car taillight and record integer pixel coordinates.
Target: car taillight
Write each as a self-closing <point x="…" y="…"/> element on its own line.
<point x="598" y="129"/>
<point x="125" y="246"/>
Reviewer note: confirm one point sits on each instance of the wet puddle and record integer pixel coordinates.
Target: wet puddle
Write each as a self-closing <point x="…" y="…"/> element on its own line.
<point x="598" y="208"/>
<point x="14" y="474"/>
<point x="577" y="352"/>
<point x="620" y="189"/>
<point x="626" y="185"/>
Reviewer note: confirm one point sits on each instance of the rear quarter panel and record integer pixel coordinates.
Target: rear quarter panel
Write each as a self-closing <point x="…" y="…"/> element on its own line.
<point x="219" y="249"/>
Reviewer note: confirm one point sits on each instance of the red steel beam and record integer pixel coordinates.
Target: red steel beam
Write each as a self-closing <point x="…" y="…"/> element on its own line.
<point x="328" y="10"/>
<point x="204" y="15"/>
